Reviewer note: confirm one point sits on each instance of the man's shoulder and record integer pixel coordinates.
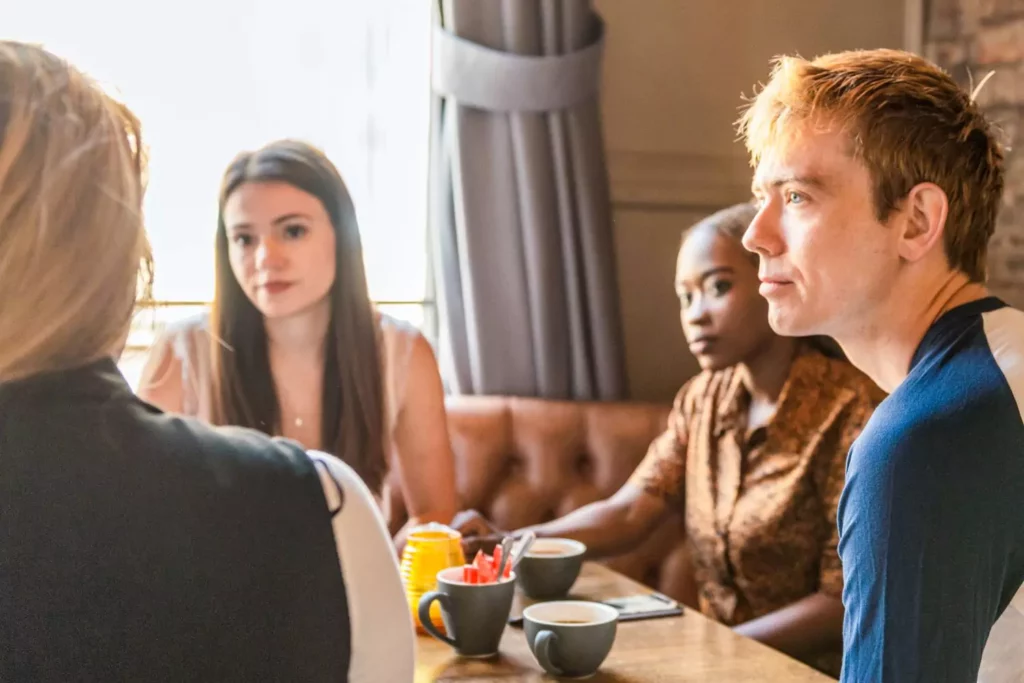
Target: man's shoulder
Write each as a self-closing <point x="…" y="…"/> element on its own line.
<point x="971" y="355"/>
<point x="975" y="375"/>
<point x="928" y="415"/>
<point x="938" y="431"/>
<point x="971" y="387"/>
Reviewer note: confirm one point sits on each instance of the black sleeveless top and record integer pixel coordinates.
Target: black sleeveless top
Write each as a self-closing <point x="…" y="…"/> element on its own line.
<point x="138" y="546"/>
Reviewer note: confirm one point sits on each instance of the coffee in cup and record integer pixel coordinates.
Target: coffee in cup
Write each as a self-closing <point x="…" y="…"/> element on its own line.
<point x="570" y="638"/>
<point x="550" y="568"/>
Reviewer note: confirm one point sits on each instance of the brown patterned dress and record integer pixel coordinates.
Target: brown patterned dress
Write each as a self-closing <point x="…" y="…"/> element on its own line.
<point x="760" y="505"/>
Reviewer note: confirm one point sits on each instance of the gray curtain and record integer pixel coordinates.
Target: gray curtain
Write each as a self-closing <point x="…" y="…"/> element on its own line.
<point x="520" y="212"/>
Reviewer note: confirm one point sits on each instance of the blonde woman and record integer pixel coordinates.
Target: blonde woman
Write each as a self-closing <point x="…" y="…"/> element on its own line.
<point x="136" y="545"/>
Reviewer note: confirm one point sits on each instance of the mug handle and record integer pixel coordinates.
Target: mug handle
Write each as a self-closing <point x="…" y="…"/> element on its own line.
<point x="424" y="614"/>
<point x="542" y="648"/>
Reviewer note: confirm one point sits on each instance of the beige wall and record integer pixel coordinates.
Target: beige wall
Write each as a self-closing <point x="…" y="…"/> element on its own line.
<point x="674" y="74"/>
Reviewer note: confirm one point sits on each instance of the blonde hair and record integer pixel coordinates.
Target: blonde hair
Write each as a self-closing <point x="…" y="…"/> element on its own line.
<point x="73" y="249"/>
<point x="907" y="120"/>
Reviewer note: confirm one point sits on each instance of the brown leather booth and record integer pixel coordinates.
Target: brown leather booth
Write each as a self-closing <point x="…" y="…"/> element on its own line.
<point x="521" y="461"/>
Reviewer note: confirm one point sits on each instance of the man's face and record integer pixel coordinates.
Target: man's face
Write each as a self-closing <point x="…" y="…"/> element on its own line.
<point x="826" y="262"/>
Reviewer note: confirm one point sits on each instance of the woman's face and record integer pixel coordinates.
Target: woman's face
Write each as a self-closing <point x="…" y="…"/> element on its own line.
<point x="724" y="318"/>
<point x="281" y="247"/>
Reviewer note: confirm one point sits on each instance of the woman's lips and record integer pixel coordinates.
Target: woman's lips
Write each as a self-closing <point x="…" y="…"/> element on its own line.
<point x="275" y="287"/>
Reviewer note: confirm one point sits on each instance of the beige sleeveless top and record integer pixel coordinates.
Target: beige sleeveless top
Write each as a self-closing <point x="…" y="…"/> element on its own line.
<point x="189" y="342"/>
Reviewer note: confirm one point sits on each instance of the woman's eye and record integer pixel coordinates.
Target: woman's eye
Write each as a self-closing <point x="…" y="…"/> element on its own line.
<point x="242" y="239"/>
<point x="794" y="197"/>
<point x="686" y="298"/>
<point x="295" y="231"/>
<point x="720" y="287"/>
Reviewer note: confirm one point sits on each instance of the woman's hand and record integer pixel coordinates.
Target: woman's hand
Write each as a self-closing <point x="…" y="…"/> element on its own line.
<point x="477" y="532"/>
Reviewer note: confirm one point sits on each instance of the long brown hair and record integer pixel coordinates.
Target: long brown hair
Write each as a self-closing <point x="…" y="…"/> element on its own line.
<point x="352" y="423"/>
<point x="74" y="255"/>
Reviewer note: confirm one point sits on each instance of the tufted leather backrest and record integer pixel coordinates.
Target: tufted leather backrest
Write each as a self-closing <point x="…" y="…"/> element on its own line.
<point x="521" y="461"/>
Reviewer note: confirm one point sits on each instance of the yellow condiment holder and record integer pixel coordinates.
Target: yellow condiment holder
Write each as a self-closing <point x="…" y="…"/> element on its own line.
<point x="429" y="549"/>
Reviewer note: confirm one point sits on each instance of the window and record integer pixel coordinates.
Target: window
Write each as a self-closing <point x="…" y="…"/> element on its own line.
<point x="210" y="79"/>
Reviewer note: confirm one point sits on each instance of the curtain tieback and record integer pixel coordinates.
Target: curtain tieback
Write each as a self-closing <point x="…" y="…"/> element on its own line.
<point x="477" y="76"/>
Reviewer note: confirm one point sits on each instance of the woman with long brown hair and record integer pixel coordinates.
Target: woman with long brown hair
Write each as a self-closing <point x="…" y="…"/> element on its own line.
<point x="136" y="545"/>
<point x="293" y="345"/>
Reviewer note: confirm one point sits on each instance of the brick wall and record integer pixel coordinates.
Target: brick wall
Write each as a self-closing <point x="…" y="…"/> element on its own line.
<point x="970" y="38"/>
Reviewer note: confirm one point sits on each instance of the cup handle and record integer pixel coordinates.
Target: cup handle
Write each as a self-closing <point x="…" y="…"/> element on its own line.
<point x="424" y="614"/>
<point x="542" y="648"/>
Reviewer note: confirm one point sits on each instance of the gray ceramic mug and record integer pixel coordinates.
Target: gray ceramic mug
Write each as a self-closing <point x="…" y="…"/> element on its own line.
<point x="550" y="568"/>
<point x="474" y="614"/>
<point x="570" y="638"/>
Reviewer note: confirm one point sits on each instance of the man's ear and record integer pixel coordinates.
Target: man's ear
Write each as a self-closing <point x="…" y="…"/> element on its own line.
<point x="924" y="221"/>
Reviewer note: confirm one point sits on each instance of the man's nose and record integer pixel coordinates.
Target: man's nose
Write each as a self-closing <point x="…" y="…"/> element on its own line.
<point x="762" y="236"/>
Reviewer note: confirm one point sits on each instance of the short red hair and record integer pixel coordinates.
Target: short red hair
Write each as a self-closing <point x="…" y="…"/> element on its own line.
<point x="907" y="120"/>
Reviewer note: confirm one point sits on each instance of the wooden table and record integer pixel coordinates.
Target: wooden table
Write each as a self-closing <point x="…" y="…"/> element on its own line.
<point x="686" y="648"/>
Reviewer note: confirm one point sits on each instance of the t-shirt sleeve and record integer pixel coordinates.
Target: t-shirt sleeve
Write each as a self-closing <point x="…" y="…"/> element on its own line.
<point x="922" y="546"/>
<point x="383" y="640"/>
<point x="662" y="472"/>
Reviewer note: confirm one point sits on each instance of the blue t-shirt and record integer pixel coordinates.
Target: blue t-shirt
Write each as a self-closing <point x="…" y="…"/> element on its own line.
<point x="931" y="520"/>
